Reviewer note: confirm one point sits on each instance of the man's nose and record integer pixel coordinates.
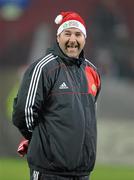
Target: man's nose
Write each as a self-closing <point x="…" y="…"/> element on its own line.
<point x="72" y="38"/>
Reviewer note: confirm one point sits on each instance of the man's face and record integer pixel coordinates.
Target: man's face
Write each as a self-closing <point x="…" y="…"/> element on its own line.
<point x="71" y="42"/>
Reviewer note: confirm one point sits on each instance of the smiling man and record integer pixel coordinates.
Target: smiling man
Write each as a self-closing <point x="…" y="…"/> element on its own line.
<point x="71" y="42"/>
<point x="71" y="33"/>
<point x="55" y="107"/>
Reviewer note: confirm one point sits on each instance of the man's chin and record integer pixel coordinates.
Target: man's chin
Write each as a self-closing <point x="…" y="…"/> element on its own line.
<point x="72" y="55"/>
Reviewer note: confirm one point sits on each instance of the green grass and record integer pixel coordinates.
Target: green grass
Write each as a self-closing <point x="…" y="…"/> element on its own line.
<point x="14" y="169"/>
<point x="113" y="172"/>
<point x="17" y="169"/>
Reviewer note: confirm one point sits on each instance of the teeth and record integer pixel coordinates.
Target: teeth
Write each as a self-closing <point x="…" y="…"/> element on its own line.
<point x="72" y="46"/>
<point x="75" y="46"/>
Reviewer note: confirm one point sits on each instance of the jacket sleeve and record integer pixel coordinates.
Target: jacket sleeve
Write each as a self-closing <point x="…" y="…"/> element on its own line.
<point x="28" y="103"/>
<point x="98" y="82"/>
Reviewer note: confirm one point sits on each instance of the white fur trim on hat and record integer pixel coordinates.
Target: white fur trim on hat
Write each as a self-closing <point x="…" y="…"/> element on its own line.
<point x="71" y="24"/>
<point x="58" y="19"/>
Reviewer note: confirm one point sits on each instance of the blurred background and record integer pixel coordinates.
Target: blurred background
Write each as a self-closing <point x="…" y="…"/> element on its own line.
<point x="27" y="29"/>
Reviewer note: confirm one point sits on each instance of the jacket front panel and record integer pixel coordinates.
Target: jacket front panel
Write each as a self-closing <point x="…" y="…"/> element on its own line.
<point x="64" y="133"/>
<point x="69" y="116"/>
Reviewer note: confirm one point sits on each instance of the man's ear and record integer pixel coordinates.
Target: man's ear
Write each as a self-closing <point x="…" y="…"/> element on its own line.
<point x="58" y="38"/>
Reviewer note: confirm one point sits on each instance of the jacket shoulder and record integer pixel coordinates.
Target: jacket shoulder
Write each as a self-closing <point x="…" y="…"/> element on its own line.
<point x="90" y="64"/>
<point x="45" y="62"/>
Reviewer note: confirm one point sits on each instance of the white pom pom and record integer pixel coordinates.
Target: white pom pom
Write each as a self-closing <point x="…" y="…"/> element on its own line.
<point x="58" y="19"/>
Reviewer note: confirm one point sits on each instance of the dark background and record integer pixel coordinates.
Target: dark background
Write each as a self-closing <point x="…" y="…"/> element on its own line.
<point x="110" y="46"/>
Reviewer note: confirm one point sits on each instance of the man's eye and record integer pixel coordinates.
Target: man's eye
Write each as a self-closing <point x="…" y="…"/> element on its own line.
<point x="67" y="34"/>
<point x="78" y="34"/>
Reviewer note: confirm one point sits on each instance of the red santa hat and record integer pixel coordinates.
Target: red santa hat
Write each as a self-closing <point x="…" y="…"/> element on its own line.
<point x="69" y="20"/>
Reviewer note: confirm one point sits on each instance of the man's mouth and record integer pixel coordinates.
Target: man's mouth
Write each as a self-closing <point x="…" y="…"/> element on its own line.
<point x="69" y="45"/>
<point x="72" y="46"/>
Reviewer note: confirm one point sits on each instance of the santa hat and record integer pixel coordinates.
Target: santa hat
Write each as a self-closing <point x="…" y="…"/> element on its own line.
<point x="69" y="20"/>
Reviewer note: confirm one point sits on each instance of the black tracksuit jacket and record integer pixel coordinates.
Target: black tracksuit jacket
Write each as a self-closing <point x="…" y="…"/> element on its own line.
<point x="55" y="110"/>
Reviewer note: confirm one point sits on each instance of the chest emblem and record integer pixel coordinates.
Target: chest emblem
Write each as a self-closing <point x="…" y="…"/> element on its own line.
<point x="94" y="88"/>
<point x="63" y="86"/>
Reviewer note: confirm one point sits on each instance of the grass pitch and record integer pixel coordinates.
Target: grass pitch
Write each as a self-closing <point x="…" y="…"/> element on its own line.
<point x="17" y="169"/>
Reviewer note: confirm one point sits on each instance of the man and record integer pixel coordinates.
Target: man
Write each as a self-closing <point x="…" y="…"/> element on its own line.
<point x="55" y="107"/>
